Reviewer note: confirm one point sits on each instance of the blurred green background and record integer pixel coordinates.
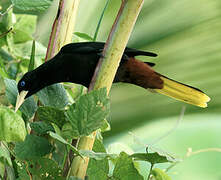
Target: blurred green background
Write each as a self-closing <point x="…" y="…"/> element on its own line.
<point x="186" y="35"/>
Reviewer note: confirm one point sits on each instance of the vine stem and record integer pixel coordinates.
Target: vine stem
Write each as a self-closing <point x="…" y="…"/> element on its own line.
<point x="106" y="70"/>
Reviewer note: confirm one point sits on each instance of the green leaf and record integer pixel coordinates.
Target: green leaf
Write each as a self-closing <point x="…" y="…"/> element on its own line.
<point x="97" y="155"/>
<point x="54" y="96"/>
<point x="32" y="58"/>
<point x="125" y="169"/>
<point x="33" y="147"/>
<point x="62" y="140"/>
<point x="3" y="72"/>
<point x="2" y="168"/>
<point x="12" y="126"/>
<point x="49" y="169"/>
<point x="5" y="154"/>
<point x="41" y="128"/>
<point x="88" y="113"/>
<point x="32" y="5"/>
<point x="105" y="126"/>
<point x="52" y="115"/>
<point x="23" y="51"/>
<point x="67" y="131"/>
<point x="98" y="169"/>
<point x="28" y="107"/>
<point x="24" y="28"/>
<point x="84" y="36"/>
<point x="153" y="158"/>
<point x="159" y="174"/>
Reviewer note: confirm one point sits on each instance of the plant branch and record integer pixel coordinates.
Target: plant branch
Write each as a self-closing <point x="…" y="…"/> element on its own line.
<point x="106" y="70"/>
<point x="63" y="26"/>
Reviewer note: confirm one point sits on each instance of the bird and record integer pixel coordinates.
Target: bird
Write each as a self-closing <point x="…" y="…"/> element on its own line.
<point x="76" y="63"/>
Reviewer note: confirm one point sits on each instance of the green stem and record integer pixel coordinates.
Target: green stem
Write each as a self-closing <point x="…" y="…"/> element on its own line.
<point x="106" y="70"/>
<point x="151" y="168"/>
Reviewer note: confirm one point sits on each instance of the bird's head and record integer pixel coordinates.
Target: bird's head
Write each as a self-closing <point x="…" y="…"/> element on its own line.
<point x="27" y="86"/>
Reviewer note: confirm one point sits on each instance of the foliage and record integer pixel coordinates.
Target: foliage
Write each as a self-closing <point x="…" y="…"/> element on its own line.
<point x="33" y="149"/>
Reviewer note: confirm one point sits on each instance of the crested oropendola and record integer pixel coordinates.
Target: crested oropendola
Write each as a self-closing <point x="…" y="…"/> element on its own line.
<point x="76" y="63"/>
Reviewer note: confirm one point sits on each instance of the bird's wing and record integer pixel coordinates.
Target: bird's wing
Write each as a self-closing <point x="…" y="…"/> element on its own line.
<point x="83" y="48"/>
<point x="97" y="47"/>
<point x="134" y="52"/>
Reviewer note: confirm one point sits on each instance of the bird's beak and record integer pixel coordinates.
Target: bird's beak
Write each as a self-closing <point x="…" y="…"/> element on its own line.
<point x="20" y="99"/>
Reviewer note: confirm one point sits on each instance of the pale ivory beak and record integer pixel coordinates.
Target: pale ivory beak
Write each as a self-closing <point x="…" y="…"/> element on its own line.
<point x="20" y="99"/>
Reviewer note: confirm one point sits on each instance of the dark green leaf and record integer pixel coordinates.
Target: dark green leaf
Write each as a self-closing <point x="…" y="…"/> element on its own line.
<point x="154" y="158"/>
<point x="88" y="113"/>
<point x="67" y="131"/>
<point x="32" y="58"/>
<point x="62" y="140"/>
<point x="159" y="174"/>
<point x="33" y="147"/>
<point x="28" y="107"/>
<point x="52" y="115"/>
<point x="54" y="96"/>
<point x="83" y="36"/>
<point x="41" y="128"/>
<point x="98" y="168"/>
<point x="49" y="169"/>
<point x="12" y="126"/>
<point x="125" y="169"/>
<point x="32" y="5"/>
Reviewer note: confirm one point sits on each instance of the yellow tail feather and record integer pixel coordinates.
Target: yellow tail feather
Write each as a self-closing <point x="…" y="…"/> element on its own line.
<point x="183" y="92"/>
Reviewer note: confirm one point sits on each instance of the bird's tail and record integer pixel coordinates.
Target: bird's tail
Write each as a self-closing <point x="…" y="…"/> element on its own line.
<point x="183" y="92"/>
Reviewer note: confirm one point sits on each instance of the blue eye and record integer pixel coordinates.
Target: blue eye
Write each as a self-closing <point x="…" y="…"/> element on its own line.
<point x="22" y="83"/>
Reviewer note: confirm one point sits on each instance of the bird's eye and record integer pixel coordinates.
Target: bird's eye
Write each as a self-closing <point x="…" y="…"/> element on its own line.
<point x="22" y="83"/>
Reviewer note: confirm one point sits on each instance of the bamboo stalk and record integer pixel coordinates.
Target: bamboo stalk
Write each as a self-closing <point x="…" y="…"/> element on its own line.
<point x="106" y="70"/>
<point x="63" y="26"/>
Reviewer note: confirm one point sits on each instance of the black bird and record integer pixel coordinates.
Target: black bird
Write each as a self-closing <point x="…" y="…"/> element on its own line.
<point x="76" y="63"/>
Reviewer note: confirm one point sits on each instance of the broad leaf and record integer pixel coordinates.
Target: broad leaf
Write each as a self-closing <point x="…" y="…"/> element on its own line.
<point x="153" y="158"/>
<point x="54" y="96"/>
<point x="125" y="169"/>
<point x="33" y="147"/>
<point x="32" y="5"/>
<point x="24" y="28"/>
<point x="88" y="113"/>
<point x="12" y="126"/>
<point x="49" y="169"/>
<point x="98" y="169"/>
<point x="52" y="115"/>
<point x="41" y="128"/>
